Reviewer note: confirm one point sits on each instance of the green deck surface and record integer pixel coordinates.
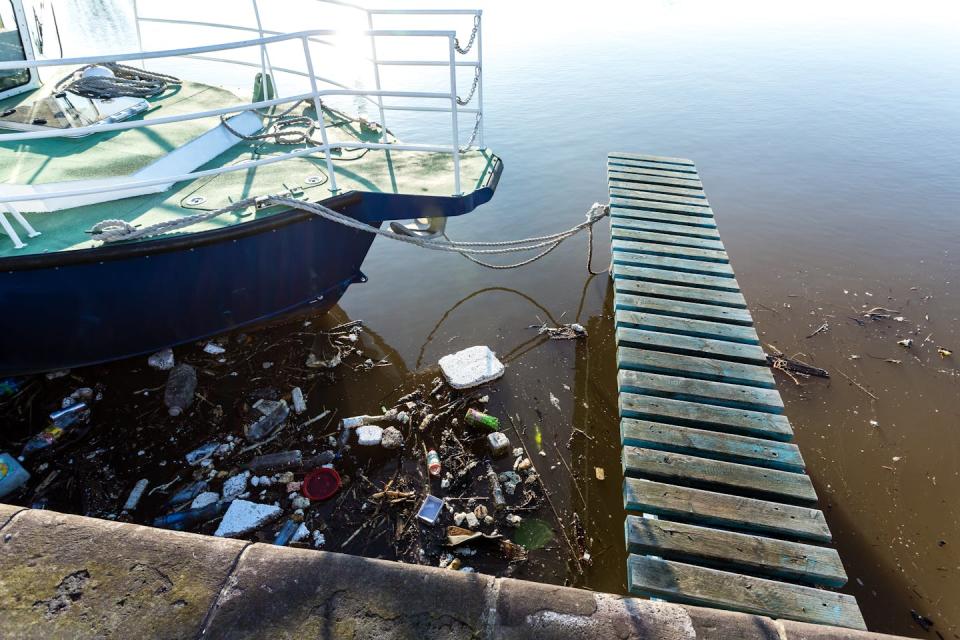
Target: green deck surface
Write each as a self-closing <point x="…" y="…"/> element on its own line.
<point x="123" y="153"/>
<point x="727" y="511"/>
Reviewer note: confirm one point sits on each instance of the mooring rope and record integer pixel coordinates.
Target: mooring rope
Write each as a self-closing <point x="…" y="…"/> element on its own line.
<point x="126" y="81"/>
<point x="119" y="230"/>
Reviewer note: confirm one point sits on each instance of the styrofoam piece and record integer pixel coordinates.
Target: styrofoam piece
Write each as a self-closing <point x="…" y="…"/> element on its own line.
<point x="234" y="486"/>
<point x="369" y="435"/>
<point x="205" y="498"/>
<point x="244" y="516"/>
<point x="471" y="367"/>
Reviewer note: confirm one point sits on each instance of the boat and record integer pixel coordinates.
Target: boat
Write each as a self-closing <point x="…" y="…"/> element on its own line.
<point x="147" y="202"/>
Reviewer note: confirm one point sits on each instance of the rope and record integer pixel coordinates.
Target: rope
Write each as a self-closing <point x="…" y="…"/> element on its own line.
<point x="125" y="81"/>
<point x="119" y="230"/>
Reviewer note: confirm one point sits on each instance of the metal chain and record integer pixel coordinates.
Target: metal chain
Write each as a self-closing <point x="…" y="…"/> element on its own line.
<point x="473" y="136"/>
<point x="476" y="81"/>
<point x="473" y="36"/>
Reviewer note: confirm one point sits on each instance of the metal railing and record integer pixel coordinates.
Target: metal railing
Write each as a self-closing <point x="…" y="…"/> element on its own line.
<point x="315" y="95"/>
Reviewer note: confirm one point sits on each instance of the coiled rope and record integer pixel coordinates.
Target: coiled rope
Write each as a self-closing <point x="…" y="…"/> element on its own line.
<point x="125" y="81"/>
<point x="120" y="230"/>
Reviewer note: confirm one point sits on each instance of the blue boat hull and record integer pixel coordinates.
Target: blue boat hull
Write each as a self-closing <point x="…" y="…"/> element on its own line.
<point x="90" y="306"/>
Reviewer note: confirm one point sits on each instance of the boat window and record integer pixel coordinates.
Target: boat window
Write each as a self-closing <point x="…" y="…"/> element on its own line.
<point x="11" y="48"/>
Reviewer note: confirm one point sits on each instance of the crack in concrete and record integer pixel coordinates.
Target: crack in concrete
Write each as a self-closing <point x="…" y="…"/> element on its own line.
<point x="228" y="585"/>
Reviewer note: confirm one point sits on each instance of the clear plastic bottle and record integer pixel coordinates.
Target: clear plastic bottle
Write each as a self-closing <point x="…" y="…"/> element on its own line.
<point x="181" y="385"/>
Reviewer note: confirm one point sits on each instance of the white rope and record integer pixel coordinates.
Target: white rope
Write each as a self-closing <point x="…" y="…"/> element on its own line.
<point x="119" y="230"/>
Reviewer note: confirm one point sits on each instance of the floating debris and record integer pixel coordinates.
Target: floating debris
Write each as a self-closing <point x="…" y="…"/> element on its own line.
<point x="471" y="367"/>
<point x="906" y="342"/>
<point x="161" y="360"/>
<point x="563" y="332"/>
<point x="244" y="516"/>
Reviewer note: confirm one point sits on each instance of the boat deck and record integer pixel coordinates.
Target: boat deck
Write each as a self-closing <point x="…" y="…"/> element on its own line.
<point x="721" y="511"/>
<point x="123" y="153"/>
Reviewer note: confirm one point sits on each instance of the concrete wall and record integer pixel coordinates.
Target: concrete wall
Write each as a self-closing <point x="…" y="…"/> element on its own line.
<point x="69" y="576"/>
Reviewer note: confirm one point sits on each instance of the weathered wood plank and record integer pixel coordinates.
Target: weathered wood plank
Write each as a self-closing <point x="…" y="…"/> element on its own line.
<point x="668" y="239"/>
<point x="719" y="283"/>
<point x="740" y="551"/>
<point x="663" y="216"/>
<point x="705" y="391"/>
<point x="680" y="582"/>
<point x="694" y="367"/>
<point x="688" y="345"/>
<point x="642" y="179"/>
<point x="672" y="263"/>
<point x="689" y="327"/>
<point x="688" y="192"/>
<point x="684" y="469"/>
<point x="705" y="416"/>
<point x="678" y="292"/>
<point x="645" y="164"/>
<point x="648" y="171"/>
<point x="648" y="158"/>
<point x="734" y="512"/>
<point x="672" y="251"/>
<point x="710" y="444"/>
<point x="663" y="227"/>
<point x="653" y="196"/>
<point x="667" y="207"/>
<point x="681" y="309"/>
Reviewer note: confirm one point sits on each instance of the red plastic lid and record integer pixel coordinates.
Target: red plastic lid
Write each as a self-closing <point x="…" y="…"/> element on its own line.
<point x="321" y="483"/>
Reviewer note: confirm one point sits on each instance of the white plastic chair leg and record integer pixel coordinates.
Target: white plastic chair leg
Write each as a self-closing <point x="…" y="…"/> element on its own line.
<point x="17" y="243"/>
<point x="31" y="232"/>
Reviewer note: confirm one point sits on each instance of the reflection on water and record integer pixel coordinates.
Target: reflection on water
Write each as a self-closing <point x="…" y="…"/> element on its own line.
<point x="826" y="138"/>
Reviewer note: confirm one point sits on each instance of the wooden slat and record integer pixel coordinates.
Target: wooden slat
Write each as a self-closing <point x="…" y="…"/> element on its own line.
<point x="705" y="416"/>
<point x="735" y="512"/>
<point x="670" y="182"/>
<point x="662" y="216"/>
<point x="648" y="171"/>
<point x="720" y="283"/>
<point x="648" y="158"/>
<point x="679" y="292"/>
<point x="644" y="164"/>
<point x="680" y="582"/>
<point x="670" y="250"/>
<point x="680" y="309"/>
<point x="640" y="194"/>
<point x="653" y="205"/>
<point x="694" y="367"/>
<point x="710" y="444"/>
<point x="690" y="327"/>
<point x="666" y="239"/>
<point x="688" y="192"/>
<point x="684" y="469"/>
<point x="710" y="392"/>
<point x="663" y="227"/>
<point x="672" y="263"/>
<point x="689" y="345"/>
<point x="727" y="549"/>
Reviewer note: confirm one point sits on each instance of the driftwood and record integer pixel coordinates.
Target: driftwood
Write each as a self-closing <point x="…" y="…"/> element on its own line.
<point x="790" y="366"/>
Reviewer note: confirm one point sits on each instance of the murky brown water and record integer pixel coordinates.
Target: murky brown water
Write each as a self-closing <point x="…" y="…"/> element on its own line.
<point x="827" y="140"/>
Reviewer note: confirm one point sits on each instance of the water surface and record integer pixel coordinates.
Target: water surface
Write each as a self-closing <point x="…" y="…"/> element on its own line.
<point x="827" y="137"/>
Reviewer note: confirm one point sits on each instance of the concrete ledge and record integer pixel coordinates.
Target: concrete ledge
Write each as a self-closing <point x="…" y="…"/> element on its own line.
<point x="69" y="576"/>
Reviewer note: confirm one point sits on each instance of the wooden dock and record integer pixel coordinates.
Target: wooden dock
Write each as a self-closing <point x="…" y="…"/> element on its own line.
<point x="720" y="510"/>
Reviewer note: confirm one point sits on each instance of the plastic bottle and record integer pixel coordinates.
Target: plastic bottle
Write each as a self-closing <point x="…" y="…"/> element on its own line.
<point x="181" y="385"/>
<point x="433" y="462"/>
<point x="188" y="493"/>
<point x="180" y="521"/>
<point x="12" y="474"/>
<point x="9" y="386"/>
<point x="286" y="532"/>
<point x="496" y="491"/>
<point x="280" y="461"/>
<point x="481" y="419"/>
<point x="42" y="440"/>
<point x="276" y="413"/>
